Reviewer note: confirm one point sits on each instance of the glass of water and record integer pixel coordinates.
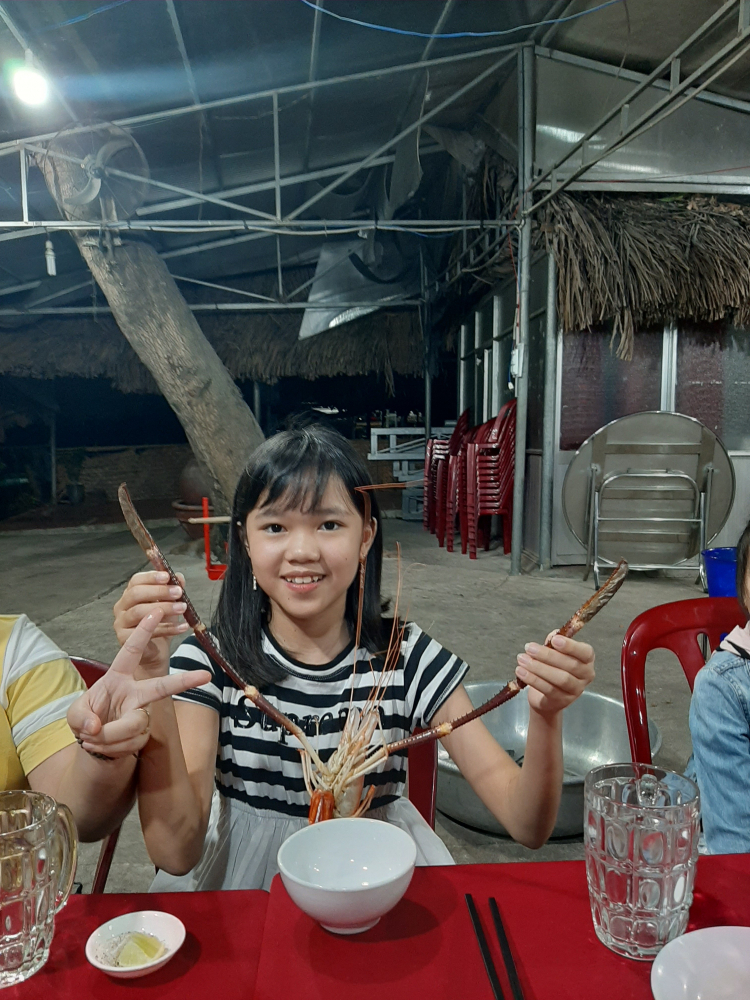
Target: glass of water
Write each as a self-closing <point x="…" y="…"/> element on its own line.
<point x="641" y="828"/>
<point x="38" y="851"/>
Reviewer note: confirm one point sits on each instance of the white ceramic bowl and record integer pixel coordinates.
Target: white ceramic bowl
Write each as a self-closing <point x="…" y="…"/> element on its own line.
<point x="168" y="929"/>
<point x="346" y="873"/>
<point x="710" y="964"/>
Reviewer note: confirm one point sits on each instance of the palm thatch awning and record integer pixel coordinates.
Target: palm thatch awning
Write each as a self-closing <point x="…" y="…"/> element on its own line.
<point x="626" y="260"/>
<point x="259" y="346"/>
<point x="639" y="261"/>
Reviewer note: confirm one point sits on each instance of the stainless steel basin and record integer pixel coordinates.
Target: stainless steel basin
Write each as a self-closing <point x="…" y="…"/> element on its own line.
<point x="594" y="733"/>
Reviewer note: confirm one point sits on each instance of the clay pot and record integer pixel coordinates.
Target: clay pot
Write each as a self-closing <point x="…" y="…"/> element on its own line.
<point x="183" y="511"/>
<point x="193" y="484"/>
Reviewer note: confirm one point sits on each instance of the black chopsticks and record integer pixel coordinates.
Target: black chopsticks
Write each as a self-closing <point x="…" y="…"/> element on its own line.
<point x="489" y="965"/>
<point x="510" y="965"/>
<point x="502" y="937"/>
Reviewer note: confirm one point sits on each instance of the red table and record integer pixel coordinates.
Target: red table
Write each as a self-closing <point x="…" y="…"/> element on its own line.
<point x="219" y="957"/>
<point x="426" y="946"/>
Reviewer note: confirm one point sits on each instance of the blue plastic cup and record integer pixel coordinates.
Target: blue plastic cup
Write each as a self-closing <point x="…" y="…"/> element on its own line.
<point x="721" y="571"/>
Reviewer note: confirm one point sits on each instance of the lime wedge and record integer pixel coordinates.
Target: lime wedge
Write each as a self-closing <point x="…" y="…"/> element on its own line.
<point x="139" y="949"/>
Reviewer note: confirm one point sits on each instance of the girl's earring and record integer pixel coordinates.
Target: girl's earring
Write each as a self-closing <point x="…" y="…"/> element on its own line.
<point x="255" y="583"/>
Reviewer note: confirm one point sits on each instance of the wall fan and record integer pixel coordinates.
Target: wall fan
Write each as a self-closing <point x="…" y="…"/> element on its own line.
<point x="98" y="174"/>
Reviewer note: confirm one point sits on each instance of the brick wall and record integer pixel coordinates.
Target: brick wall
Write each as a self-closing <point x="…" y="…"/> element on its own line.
<point x="151" y="471"/>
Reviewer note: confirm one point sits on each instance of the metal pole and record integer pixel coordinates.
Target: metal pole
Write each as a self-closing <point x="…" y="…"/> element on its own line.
<point x="548" y="434"/>
<point x="497" y="326"/>
<point x="525" y="156"/>
<point x="53" y="458"/>
<point x="477" y="409"/>
<point x="463" y="368"/>
<point x="24" y="185"/>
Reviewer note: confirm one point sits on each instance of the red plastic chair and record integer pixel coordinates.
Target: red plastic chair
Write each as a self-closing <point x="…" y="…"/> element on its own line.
<point x="436" y="476"/>
<point x="91" y="671"/>
<point x="422" y="772"/>
<point x="678" y="627"/>
<point x="456" y="491"/>
<point x="489" y="480"/>
<point x="215" y="570"/>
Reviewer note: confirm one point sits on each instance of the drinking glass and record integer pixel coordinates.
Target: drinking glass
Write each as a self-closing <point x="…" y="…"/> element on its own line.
<point x="38" y="852"/>
<point x="641" y="828"/>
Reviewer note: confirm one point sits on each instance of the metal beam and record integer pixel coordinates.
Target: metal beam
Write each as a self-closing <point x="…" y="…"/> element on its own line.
<point x="674" y="99"/>
<point x="159" y="116"/>
<point x="525" y="173"/>
<point x="402" y="134"/>
<point x="660" y="70"/>
<point x="270" y="184"/>
<point x="126" y="175"/>
<point x="316" y="227"/>
<point x="311" y="76"/>
<point x="224" y="307"/>
<point x="548" y="422"/>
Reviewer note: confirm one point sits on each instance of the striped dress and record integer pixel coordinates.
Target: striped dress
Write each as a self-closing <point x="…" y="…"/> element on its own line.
<point x="260" y="797"/>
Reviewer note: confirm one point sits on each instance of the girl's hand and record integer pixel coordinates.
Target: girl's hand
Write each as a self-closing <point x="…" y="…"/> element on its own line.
<point x="556" y="676"/>
<point x="146" y="593"/>
<point x="112" y="717"/>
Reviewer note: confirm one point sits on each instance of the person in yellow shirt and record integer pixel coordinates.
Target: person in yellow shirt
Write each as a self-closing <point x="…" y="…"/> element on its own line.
<point x="39" y="689"/>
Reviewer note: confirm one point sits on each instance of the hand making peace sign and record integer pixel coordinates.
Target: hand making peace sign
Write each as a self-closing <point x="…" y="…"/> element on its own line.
<point x="112" y="717"/>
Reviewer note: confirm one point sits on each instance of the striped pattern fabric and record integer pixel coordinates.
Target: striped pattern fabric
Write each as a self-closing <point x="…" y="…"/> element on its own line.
<point x="38" y="684"/>
<point x="258" y="763"/>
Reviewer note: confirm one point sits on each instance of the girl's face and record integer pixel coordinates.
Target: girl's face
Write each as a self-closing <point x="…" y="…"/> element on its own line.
<point x="306" y="560"/>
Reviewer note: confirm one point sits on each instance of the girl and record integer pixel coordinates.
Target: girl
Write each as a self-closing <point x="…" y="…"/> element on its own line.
<point x="720" y="730"/>
<point x="220" y="785"/>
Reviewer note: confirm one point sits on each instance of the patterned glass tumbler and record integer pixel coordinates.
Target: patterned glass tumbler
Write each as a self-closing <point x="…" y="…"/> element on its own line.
<point x="38" y="850"/>
<point x="641" y="829"/>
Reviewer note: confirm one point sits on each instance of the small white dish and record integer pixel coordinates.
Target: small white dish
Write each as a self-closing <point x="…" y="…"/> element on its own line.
<point x="100" y="945"/>
<point x="710" y="964"/>
<point x="346" y="873"/>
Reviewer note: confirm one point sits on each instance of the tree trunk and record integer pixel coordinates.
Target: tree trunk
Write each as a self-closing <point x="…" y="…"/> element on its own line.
<point x="162" y="330"/>
<point x="160" y="327"/>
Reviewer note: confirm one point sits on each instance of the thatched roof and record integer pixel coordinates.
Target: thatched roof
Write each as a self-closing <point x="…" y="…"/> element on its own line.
<point x="626" y="260"/>
<point x="259" y="346"/>
<point x="639" y="261"/>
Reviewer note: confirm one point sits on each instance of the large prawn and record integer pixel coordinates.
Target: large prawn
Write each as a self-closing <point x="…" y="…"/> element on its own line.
<point x="335" y="786"/>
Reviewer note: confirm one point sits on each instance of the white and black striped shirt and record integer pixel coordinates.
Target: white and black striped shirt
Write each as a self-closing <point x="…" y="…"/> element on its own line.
<point x="259" y="763"/>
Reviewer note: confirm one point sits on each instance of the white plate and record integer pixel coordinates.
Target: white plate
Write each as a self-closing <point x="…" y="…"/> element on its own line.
<point x="167" y="928"/>
<point x="709" y="964"/>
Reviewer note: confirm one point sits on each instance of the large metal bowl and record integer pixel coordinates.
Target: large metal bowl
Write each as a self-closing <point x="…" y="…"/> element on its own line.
<point x="594" y="733"/>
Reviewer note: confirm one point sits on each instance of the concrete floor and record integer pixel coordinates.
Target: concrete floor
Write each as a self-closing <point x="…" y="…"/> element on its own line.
<point x="67" y="580"/>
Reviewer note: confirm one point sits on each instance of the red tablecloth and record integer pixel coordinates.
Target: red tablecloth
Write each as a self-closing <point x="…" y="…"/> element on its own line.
<point x="426" y="946"/>
<point x="219" y="957"/>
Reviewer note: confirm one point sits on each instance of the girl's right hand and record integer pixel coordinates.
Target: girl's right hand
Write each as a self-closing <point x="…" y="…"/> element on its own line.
<point x="147" y="592"/>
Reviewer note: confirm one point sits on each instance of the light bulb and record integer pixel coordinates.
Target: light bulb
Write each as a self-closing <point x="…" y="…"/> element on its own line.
<point x="49" y="256"/>
<point x="30" y="86"/>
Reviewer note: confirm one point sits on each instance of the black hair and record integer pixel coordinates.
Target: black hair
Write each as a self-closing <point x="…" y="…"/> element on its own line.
<point x="295" y="467"/>
<point x="743" y="567"/>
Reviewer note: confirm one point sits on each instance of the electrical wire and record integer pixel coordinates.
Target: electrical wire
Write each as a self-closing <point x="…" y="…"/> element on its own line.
<point x="460" y="34"/>
<point x="81" y="17"/>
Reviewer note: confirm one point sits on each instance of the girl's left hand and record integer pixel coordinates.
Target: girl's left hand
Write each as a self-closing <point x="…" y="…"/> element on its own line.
<point x="555" y="676"/>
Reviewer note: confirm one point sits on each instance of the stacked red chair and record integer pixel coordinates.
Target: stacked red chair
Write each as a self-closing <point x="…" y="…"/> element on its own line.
<point x="490" y="462"/>
<point x="456" y="491"/>
<point x="437" y="452"/>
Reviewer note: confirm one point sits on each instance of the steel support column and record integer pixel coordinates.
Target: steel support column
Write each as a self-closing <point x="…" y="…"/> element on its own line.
<point x="525" y="162"/>
<point x="465" y="358"/>
<point x="548" y="428"/>
<point x="497" y="329"/>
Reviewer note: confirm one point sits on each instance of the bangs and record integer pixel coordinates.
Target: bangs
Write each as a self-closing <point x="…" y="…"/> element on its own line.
<point x="300" y="489"/>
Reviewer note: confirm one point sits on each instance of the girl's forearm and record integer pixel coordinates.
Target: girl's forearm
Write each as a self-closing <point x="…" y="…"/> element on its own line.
<point x="534" y="792"/>
<point x="171" y="816"/>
